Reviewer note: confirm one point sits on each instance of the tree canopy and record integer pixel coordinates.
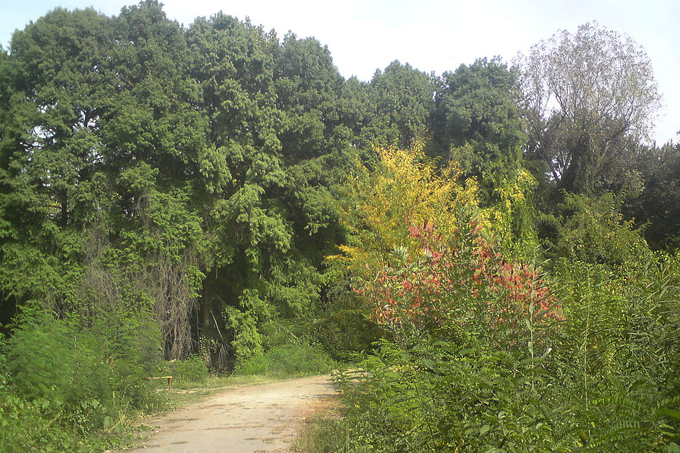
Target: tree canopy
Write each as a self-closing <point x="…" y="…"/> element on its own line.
<point x="589" y="98"/>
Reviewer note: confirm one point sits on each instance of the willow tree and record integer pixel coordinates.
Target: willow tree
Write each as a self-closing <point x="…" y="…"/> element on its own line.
<point x="589" y="99"/>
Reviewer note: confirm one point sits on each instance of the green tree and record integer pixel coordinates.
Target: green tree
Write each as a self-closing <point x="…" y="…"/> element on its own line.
<point x="401" y="98"/>
<point x="592" y="230"/>
<point x="233" y="64"/>
<point x="275" y="131"/>
<point x="54" y="88"/>
<point x="476" y="119"/>
<point x="477" y="123"/>
<point x="99" y="152"/>
<point x="153" y="116"/>
<point x="154" y="137"/>
<point x="657" y="208"/>
<point x="308" y="86"/>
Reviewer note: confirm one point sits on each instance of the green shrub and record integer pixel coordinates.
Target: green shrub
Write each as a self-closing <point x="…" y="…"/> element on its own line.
<point x="607" y="382"/>
<point x="192" y="369"/>
<point x="64" y="382"/>
<point x="288" y="361"/>
<point x="345" y="329"/>
<point x="431" y="395"/>
<point x="593" y="231"/>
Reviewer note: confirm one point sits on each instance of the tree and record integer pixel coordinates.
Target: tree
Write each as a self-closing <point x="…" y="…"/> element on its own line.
<point x="54" y="89"/>
<point x="99" y="144"/>
<point x="404" y="189"/>
<point x="589" y="98"/>
<point x="657" y="208"/>
<point x="154" y="138"/>
<point x="402" y="102"/>
<point x="477" y="123"/>
<point x="275" y="131"/>
<point x="476" y="111"/>
<point x="153" y="116"/>
<point x="233" y="64"/>
<point x="307" y="91"/>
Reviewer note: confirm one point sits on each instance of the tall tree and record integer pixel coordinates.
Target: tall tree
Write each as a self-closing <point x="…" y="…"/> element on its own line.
<point x="99" y="147"/>
<point x="307" y="86"/>
<point x="233" y="63"/>
<point x="402" y="101"/>
<point x="154" y="116"/>
<point x="275" y="129"/>
<point x="589" y="98"/>
<point x="477" y="123"/>
<point x="476" y="119"/>
<point x="154" y="139"/>
<point x="55" y="83"/>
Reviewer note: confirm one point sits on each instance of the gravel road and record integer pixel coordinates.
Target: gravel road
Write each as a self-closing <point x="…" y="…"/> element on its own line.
<point x="252" y="419"/>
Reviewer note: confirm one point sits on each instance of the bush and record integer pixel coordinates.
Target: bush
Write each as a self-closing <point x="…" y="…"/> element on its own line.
<point x="64" y="383"/>
<point x="593" y="231"/>
<point x="288" y="361"/>
<point x="488" y="355"/>
<point x="606" y="382"/>
<point x="345" y="329"/>
<point x="192" y="369"/>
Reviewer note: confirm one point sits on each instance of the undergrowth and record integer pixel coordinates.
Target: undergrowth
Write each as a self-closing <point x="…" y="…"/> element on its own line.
<point x="71" y="386"/>
<point x="288" y="361"/>
<point x="605" y="378"/>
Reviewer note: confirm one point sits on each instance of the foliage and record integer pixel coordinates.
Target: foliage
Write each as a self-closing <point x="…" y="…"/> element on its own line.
<point x="448" y="397"/>
<point x="618" y="352"/>
<point x="486" y="356"/>
<point x="191" y="369"/>
<point x="656" y="209"/>
<point x="288" y="361"/>
<point x="458" y="286"/>
<point x="395" y="210"/>
<point x="400" y="105"/>
<point x="477" y="121"/>
<point x="345" y="329"/>
<point x="275" y="130"/>
<point x="607" y="379"/>
<point x="593" y="230"/>
<point x="589" y="99"/>
<point x="135" y="165"/>
<point x="62" y="385"/>
<point x="401" y="191"/>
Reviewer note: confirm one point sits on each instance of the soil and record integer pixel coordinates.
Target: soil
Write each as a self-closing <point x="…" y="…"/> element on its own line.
<point x="251" y="419"/>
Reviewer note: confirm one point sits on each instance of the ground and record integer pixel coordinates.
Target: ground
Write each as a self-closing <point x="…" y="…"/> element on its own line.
<point x="252" y="419"/>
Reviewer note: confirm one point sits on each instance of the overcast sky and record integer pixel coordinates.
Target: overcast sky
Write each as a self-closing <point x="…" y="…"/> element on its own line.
<point x="431" y="35"/>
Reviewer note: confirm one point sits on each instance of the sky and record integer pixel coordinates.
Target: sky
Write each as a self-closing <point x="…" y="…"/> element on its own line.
<point x="431" y="35"/>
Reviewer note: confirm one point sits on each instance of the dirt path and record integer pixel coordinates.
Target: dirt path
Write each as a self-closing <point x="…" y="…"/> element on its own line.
<point x="253" y="419"/>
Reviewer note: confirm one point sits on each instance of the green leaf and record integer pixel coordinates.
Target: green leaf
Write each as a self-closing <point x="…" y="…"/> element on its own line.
<point x="666" y="412"/>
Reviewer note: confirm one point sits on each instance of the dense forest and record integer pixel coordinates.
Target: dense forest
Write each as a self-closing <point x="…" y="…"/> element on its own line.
<point x="496" y="246"/>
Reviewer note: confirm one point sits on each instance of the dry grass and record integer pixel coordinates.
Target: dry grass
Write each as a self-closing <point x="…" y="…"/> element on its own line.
<point x="321" y="430"/>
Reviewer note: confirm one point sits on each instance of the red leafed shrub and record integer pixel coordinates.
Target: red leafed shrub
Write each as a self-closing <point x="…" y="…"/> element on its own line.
<point x="457" y="280"/>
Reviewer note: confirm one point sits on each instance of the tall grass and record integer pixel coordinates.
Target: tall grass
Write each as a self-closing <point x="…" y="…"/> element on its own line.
<point x="288" y="361"/>
<point x="66" y="386"/>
